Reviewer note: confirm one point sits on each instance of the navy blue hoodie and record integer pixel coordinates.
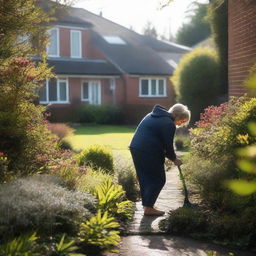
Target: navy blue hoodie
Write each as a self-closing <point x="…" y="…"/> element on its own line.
<point x="155" y="134"/>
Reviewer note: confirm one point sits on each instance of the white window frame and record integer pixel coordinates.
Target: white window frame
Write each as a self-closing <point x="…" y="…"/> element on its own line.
<point x="59" y="80"/>
<point x="150" y="95"/>
<point x="58" y="43"/>
<point x="90" y="84"/>
<point x="80" y="43"/>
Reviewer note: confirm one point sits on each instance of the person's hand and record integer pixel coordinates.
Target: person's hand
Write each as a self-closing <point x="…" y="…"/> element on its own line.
<point x="177" y="162"/>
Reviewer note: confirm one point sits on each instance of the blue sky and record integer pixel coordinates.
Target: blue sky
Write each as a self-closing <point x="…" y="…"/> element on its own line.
<point x="136" y="13"/>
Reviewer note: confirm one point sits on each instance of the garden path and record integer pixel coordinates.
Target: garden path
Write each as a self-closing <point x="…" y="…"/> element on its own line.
<point x="145" y="239"/>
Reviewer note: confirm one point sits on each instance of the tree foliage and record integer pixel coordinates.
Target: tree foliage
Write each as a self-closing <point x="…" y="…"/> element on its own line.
<point x="197" y="29"/>
<point x="196" y="80"/>
<point x="24" y="136"/>
<point x="150" y="30"/>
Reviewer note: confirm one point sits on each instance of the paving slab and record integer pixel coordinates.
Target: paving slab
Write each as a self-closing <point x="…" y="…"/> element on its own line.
<point x="144" y="238"/>
<point x="170" y="198"/>
<point x="166" y="245"/>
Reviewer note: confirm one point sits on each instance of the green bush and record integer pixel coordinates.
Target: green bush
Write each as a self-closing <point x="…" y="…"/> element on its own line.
<point x="184" y="221"/>
<point x="196" y="77"/>
<point x="126" y="177"/>
<point x="220" y="132"/>
<point x="97" y="156"/>
<point x="111" y="198"/>
<point x="99" y="232"/>
<point x="182" y="142"/>
<point x="26" y="140"/>
<point x="24" y="245"/>
<point x="92" y="178"/>
<point x="101" y="114"/>
<point x="42" y="203"/>
<point x="214" y="142"/>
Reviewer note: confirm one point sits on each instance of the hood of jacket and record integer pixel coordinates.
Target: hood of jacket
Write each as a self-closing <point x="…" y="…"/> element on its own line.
<point x="159" y="111"/>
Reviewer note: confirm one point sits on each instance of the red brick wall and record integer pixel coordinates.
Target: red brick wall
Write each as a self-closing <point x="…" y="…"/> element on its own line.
<point x="68" y="112"/>
<point x="132" y="94"/>
<point x="242" y="43"/>
<point x="137" y="107"/>
<point x="64" y="41"/>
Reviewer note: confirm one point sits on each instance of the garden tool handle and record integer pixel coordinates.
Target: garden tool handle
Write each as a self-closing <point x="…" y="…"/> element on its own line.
<point x="183" y="182"/>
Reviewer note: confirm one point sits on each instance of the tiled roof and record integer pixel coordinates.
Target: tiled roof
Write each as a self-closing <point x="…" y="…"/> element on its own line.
<point x="139" y="55"/>
<point x="82" y="67"/>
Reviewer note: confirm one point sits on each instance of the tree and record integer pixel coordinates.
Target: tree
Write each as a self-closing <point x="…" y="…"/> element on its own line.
<point x="197" y="29"/>
<point x="25" y="141"/>
<point x="218" y="17"/>
<point x="196" y="80"/>
<point x="150" y="30"/>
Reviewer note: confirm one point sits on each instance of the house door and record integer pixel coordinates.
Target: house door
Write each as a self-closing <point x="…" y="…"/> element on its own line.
<point x="95" y="93"/>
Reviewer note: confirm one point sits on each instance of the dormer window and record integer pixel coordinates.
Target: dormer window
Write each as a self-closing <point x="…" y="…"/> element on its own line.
<point x="75" y="44"/>
<point x="53" y="47"/>
<point x="114" y="40"/>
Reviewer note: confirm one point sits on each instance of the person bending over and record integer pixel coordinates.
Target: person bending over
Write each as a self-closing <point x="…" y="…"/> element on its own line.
<point x="151" y="143"/>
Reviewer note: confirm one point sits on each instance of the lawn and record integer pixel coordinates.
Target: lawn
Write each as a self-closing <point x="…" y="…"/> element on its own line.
<point x="116" y="137"/>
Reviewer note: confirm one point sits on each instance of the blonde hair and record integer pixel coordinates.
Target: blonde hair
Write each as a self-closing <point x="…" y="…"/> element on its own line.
<point x="180" y="112"/>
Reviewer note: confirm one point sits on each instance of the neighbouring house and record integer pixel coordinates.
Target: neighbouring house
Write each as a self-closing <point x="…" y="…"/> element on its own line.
<point x="241" y="43"/>
<point x="97" y="61"/>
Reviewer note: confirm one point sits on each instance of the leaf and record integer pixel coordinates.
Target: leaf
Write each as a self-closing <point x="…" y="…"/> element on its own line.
<point x="59" y="247"/>
<point x="252" y="128"/>
<point x="242" y="187"/>
<point x="248" y="152"/>
<point x="246" y="166"/>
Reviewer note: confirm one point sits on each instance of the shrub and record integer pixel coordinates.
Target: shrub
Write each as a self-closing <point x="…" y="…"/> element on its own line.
<point x="126" y="177"/>
<point x="65" y="145"/>
<point x="42" y="203"/>
<point x="66" y="167"/>
<point x="24" y="245"/>
<point x="92" y="178"/>
<point x="98" y="232"/>
<point x="25" y="140"/>
<point x="97" y="156"/>
<point x="197" y="78"/>
<point x="111" y="198"/>
<point x="184" y="221"/>
<point x="182" y="142"/>
<point x="101" y="114"/>
<point x="61" y="130"/>
<point x="214" y="143"/>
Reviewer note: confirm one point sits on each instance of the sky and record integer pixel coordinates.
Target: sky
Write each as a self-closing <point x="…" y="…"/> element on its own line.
<point x="136" y="13"/>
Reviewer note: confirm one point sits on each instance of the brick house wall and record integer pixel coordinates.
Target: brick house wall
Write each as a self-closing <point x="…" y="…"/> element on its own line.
<point x="242" y="43"/>
<point x="125" y="93"/>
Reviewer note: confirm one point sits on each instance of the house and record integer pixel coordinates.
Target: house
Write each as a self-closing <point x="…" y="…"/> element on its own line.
<point x="241" y="43"/>
<point x="100" y="62"/>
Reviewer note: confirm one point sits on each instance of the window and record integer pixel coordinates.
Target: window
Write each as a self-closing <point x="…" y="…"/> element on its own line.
<point x="54" y="91"/>
<point x="53" y="47"/>
<point x="75" y="42"/>
<point x="114" y="40"/>
<point x="91" y="92"/>
<point x="152" y="87"/>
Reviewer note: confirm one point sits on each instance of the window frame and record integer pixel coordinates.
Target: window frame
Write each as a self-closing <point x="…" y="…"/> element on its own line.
<point x="58" y="43"/>
<point x="89" y="99"/>
<point x="58" y="80"/>
<point x="150" y="95"/>
<point x="80" y="43"/>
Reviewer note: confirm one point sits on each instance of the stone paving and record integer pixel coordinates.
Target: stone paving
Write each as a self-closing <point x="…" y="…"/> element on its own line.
<point x="170" y="198"/>
<point x="145" y="239"/>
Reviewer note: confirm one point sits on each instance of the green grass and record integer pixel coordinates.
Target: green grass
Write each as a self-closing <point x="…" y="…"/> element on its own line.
<point x="117" y="138"/>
